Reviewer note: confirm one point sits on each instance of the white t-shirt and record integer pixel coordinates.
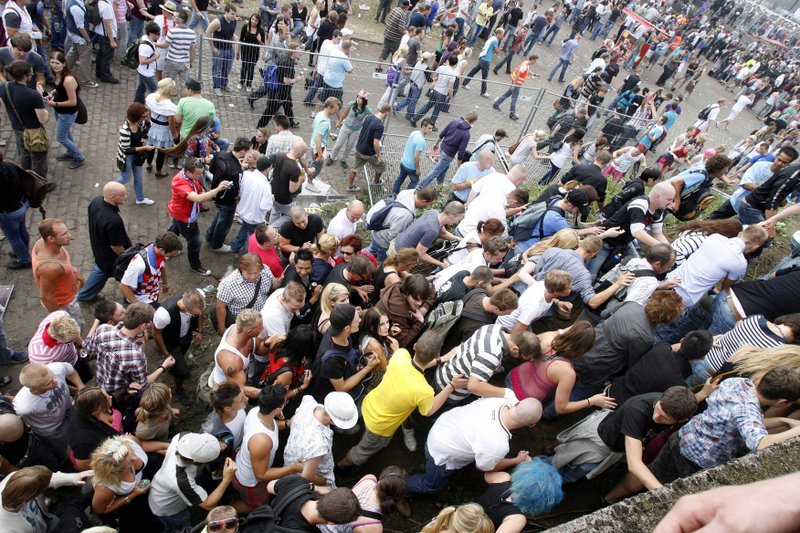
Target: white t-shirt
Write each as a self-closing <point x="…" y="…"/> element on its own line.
<point x="325" y="51"/>
<point x="174" y="487"/>
<point x="562" y="155"/>
<point x="131" y="277"/>
<point x="473" y="260"/>
<point x="446" y="76"/>
<point x="717" y="258"/>
<point x="532" y="306"/>
<point x="255" y="197"/>
<point x="470" y="433"/>
<point x="483" y="207"/>
<point x="106" y="13"/>
<point x="341" y="226"/>
<point x="494" y="183"/>
<point x="29" y="519"/>
<point x="161" y="319"/>
<point x="147" y="49"/>
<point x="44" y="413"/>
<point x="276" y="318"/>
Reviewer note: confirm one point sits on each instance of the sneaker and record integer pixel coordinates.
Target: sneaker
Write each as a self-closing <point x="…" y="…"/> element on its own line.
<point x="485" y="95"/>
<point x="18" y="265"/>
<point x="513" y="117"/>
<point x="64" y="157"/>
<point x="239" y="86"/>
<point x="353" y="188"/>
<point x="90" y="84"/>
<point x="495" y="106"/>
<point x="76" y="163"/>
<point x="377" y="182"/>
<point x="249" y="88"/>
<point x="312" y="187"/>
<point x="409" y="440"/>
<point x="217" y="92"/>
<point x="112" y="81"/>
<point x="465" y="87"/>
<point x="15" y="358"/>
<point x="343" y="163"/>
<point x="200" y="270"/>
<point x="224" y="249"/>
<point x="329" y="162"/>
<point x="145" y="201"/>
<point x="50" y="187"/>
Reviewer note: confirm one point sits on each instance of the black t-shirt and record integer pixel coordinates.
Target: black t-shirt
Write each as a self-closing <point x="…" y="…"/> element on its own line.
<point x="632" y="419"/>
<point x="630" y="191"/>
<point x="473" y="317"/>
<point x="299" y="14"/>
<point x="225" y="167"/>
<point x="371" y="130"/>
<point x="25" y="101"/>
<point x="285" y="70"/>
<point x="514" y="17"/>
<point x="106" y="229"/>
<point x="85" y="435"/>
<point x="12" y="196"/>
<point x="588" y="174"/>
<point x="771" y="297"/>
<point x="495" y="505"/>
<point x="656" y="371"/>
<point x="325" y="31"/>
<point x="634" y="212"/>
<point x="453" y="289"/>
<point x="292" y="518"/>
<point x="202" y="5"/>
<point x="284" y="170"/>
<point x="337" y="276"/>
<point x="332" y="368"/>
<point x="297" y="236"/>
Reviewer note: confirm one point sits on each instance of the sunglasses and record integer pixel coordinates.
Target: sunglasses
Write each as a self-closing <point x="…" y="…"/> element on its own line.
<point x="218" y="525"/>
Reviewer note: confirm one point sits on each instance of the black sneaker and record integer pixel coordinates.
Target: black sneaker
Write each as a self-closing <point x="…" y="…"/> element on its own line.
<point x="18" y="265"/>
<point x="50" y="187"/>
<point x="64" y="157"/>
<point x="200" y="270"/>
<point x="15" y="358"/>
<point x="76" y="163"/>
<point x="5" y="380"/>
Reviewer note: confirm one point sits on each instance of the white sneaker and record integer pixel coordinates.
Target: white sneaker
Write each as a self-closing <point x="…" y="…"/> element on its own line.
<point x="239" y="86"/>
<point x="224" y="249"/>
<point x="311" y="187"/>
<point x="145" y="201"/>
<point x="409" y="440"/>
<point x="217" y="92"/>
<point x="485" y="95"/>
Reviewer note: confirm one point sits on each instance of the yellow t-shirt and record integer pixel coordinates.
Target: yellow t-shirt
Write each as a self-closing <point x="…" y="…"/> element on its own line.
<point x="485" y="12"/>
<point x="402" y="390"/>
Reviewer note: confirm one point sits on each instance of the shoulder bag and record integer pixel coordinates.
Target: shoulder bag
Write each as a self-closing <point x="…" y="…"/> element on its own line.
<point x="33" y="139"/>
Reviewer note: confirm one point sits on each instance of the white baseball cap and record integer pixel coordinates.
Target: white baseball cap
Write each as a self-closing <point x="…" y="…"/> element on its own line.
<point x="199" y="447"/>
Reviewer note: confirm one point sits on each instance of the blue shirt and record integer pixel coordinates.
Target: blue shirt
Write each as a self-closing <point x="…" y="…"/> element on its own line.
<point x="488" y="49"/>
<point x="467" y="172"/>
<point x="762" y="157"/>
<point x="672" y="116"/>
<point x="691" y="180"/>
<point x="416" y="141"/>
<point x="758" y="173"/>
<point x="322" y="126"/>
<point x="337" y="68"/>
<point x="655" y="131"/>
<point x="568" y="49"/>
<point x="553" y="221"/>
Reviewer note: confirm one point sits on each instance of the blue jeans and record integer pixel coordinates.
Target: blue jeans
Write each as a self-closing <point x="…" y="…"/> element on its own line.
<point x="94" y="284"/>
<point x="105" y="56"/>
<point x="473" y="35"/>
<point x="563" y="64"/>
<point x="580" y="391"/>
<point x="218" y="230"/>
<point x="176" y="522"/>
<point x="16" y="231"/>
<point x="594" y="265"/>
<point x="437" y="101"/>
<point x="460" y="32"/>
<point x="125" y="176"/>
<point x="220" y="67"/>
<point x="552" y="31"/>
<point x="146" y="85"/>
<point x="410" y="101"/>
<point x="513" y="92"/>
<point x="722" y="319"/>
<point x="693" y="318"/>
<point x="510" y="33"/>
<point x="58" y="28"/>
<point x="750" y="215"/>
<point x="201" y="19"/>
<point x="438" y="171"/>
<point x="64" y="124"/>
<point x="384" y="6"/>
<point x="596" y="31"/>
<point x="530" y="40"/>
<point x="135" y="28"/>
<point x="432" y="481"/>
<point x="505" y="61"/>
<point x="606" y="29"/>
<point x="550" y="175"/>
<point x="312" y="90"/>
<point x="298" y="28"/>
<point x="377" y="250"/>
<point x="405" y="172"/>
<point x="191" y="232"/>
<point x="483" y="67"/>
<point x="239" y="242"/>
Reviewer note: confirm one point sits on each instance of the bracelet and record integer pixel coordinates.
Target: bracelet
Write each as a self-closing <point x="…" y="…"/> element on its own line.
<point x="588" y="402"/>
<point x="162" y="368"/>
<point x="438" y="360"/>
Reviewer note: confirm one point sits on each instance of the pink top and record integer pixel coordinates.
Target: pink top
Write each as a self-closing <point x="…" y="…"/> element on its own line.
<point x="529" y="380"/>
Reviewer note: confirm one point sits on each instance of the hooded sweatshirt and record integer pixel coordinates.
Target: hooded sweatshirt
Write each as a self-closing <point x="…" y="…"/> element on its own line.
<point x="396" y="307"/>
<point x="454" y="138"/>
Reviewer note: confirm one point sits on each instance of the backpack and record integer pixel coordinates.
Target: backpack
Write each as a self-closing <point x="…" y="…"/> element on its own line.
<point x="705" y="112"/>
<point x="444" y="316"/>
<point x="354" y="361"/>
<point x="266" y="519"/>
<point x="124" y="259"/>
<point x="610" y="277"/>
<point x="33" y="187"/>
<point x="270" y="75"/>
<point x="522" y="225"/>
<point x="132" y="53"/>
<point x="93" y="13"/>
<point x="376" y="217"/>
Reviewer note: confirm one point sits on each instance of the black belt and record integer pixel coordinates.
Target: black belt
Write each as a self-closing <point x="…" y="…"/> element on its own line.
<point x="160" y="123"/>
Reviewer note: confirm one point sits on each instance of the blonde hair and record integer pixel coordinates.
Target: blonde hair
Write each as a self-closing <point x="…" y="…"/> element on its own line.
<point x="33" y="375"/>
<point x="539" y="135"/>
<point x="64" y="329"/>
<point x="467" y="518"/>
<point x="566" y="239"/>
<point x="165" y="88"/>
<point x="107" y="460"/>
<point x="248" y="318"/>
<point x="326" y="244"/>
<point x="155" y="400"/>
<point x="331" y="292"/>
<point x="755" y="362"/>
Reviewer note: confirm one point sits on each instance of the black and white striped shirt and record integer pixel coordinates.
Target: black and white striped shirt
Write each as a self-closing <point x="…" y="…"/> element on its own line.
<point x="751" y="331"/>
<point x="481" y="356"/>
<point x="180" y="40"/>
<point x="686" y="244"/>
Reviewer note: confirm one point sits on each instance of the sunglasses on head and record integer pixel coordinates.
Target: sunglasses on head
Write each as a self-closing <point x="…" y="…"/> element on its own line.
<point x="218" y="525"/>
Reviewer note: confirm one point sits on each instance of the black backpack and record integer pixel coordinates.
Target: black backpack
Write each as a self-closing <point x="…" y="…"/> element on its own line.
<point x="124" y="259"/>
<point x="32" y="185"/>
<point x="266" y="519"/>
<point x="376" y="217"/>
<point x="132" y="53"/>
<point x="705" y="112"/>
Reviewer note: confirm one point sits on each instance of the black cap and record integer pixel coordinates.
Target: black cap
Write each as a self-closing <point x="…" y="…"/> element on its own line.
<point x="264" y="162"/>
<point x="579" y="199"/>
<point x="193" y="84"/>
<point x="341" y="317"/>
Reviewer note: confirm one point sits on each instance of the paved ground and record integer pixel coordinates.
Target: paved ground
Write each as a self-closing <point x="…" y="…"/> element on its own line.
<point x="98" y="139"/>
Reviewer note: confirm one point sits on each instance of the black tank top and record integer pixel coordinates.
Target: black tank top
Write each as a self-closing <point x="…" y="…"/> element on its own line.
<point x="225" y="33"/>
<point x="62" y="96"/>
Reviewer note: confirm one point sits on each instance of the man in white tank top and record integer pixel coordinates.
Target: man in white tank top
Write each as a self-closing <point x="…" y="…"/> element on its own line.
<point x="254" y="461"/>
<point x="232" y="356"/>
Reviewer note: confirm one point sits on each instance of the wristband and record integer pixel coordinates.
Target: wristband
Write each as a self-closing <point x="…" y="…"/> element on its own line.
<point x="162" y="368"/>
<point x="588" y="402"/>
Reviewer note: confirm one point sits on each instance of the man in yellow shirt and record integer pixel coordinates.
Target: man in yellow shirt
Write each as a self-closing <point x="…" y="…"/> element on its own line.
<point x="482" y="18"/>
<point x="402" y="390"/>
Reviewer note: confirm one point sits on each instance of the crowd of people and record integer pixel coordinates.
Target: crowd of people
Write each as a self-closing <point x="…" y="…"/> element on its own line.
<point x="472" y="301"/>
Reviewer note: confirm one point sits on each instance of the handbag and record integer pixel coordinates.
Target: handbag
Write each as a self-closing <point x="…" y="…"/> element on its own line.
<point x="83" y="114"/>
<point x="513" y="148"/>
<point x="33" y="139"/>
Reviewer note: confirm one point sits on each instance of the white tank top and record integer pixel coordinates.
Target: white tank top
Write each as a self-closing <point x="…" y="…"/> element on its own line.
<point x="126" y="487"/>
<point x="218" y="375"/>
<point x="25" y="22"/>
<point x="244" y="466"/>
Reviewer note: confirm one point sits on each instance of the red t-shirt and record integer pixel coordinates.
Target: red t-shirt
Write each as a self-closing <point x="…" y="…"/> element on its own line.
<point x="268" y="257"/>
<point x="179" y="207"/>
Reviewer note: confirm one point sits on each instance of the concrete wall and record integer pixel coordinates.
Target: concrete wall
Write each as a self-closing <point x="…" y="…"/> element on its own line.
<point x="641" y="513"/>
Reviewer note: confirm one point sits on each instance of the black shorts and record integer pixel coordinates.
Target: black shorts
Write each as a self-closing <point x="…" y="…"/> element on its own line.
<point x="669" y="464"/>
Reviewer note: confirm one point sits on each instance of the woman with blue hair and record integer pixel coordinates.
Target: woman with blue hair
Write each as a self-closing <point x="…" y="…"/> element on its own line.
<point x="532" y="489"/>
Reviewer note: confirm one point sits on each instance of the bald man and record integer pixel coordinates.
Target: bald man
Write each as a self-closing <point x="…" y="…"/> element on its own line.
<point x="108" y="238"/>
<point x="346" y="220"/>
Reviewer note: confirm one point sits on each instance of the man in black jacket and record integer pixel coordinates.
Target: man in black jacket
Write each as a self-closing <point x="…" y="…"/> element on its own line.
<point x="591" y="174"/>
<point x="226" y="166"/>
<point x="176" y="323"/>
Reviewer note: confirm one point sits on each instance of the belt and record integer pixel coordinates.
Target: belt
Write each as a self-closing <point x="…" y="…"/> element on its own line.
<point x="729" y="298"/>
<point x="159" y="122"/>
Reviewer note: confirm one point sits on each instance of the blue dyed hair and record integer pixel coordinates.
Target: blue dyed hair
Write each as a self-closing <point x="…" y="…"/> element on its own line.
<point x="536" y="487"/>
